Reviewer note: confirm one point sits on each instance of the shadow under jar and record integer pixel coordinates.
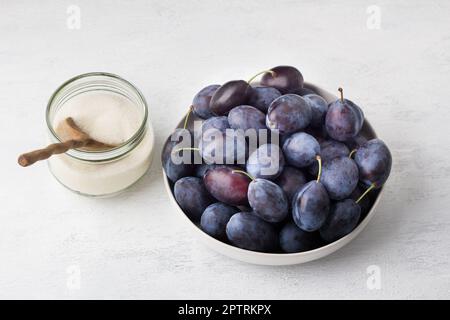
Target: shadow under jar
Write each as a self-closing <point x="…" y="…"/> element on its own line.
<point x="102" y="172"/>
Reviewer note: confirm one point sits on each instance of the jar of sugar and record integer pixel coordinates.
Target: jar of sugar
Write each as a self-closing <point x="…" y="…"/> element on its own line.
<point x="112" y="111"/>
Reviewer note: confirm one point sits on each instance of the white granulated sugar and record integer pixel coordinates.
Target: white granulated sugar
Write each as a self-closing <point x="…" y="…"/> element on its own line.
<point x="109" y="118"/>
<point x="105" y="116"/>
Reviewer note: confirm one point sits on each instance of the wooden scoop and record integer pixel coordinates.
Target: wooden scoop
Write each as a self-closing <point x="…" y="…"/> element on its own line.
<point x="73" y="137"/>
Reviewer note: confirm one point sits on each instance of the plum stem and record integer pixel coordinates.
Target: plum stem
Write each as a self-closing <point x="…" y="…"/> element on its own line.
<point x="342" y="94"/>
<point x="319" y="174"/>
<point x="187" y="149"/>
<point x="273" y="73"/>
<point x="186" y="118"/>
<point x="366" y="192"/>
<point x="245" y="173"/>
<point x="352" y="153"/>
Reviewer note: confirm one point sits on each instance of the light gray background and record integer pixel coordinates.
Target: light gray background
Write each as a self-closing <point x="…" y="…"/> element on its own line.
<point x="134" y="246"/>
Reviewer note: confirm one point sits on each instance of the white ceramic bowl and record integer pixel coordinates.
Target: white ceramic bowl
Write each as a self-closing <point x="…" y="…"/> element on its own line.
<point x="277" y="258"/>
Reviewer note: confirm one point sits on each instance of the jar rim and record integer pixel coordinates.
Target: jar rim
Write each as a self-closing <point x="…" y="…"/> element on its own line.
<point x="105" y="155"/>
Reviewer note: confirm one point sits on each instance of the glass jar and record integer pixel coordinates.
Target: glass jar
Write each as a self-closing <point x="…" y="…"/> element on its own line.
<point x="101" y="173"/>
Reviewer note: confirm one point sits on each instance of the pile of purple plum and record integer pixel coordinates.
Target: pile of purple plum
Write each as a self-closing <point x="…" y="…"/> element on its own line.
<point x="325" y="173"/>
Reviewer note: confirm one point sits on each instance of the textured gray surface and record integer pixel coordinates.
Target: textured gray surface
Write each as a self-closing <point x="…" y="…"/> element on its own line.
<point x="133" y="246"/>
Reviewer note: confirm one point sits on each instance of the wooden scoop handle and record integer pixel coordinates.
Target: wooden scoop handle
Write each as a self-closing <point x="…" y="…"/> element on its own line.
<point x="29" y="158"/>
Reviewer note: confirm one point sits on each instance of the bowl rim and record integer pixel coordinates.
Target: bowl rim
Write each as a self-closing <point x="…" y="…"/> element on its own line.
<point x="311" y="254"/>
